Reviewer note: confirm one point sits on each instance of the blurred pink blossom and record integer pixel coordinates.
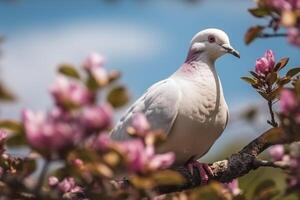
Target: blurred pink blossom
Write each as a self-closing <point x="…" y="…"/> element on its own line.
<point x="3" y="136"/>
<point x="102" y="142"/>
<point x="53" y="181"/>
<point x="100" y="74"/>
<point x="78" y="163"/>
<point x="294" y="35"/>
<point x="285" y="4"/>
<point x="141" y="158"/>
<point x="47" y="133"/>
<point x="97" y="117"/>
<point x="140" y="124"/>
<point x="69" y="91"/>
<point x="93" y="60"/>
<point x="233" y="187"/>
<point x="288" y="101"/>
<point x="266" y="63"/>
<point x="69" y="185"/>
<point x="276" y="152"/>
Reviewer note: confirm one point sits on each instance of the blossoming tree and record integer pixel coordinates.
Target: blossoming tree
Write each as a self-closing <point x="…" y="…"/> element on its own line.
<point x="80" y="161"/>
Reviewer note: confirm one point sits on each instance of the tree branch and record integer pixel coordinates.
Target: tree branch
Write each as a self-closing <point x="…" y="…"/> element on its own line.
<point x="236" y="165"/>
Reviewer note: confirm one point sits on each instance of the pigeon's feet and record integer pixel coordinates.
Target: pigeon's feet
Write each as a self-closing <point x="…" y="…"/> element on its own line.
<point x="203" y="170"/>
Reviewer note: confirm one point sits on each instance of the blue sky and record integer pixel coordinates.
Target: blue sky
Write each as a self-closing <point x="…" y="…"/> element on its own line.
<point x="146" y="40"/>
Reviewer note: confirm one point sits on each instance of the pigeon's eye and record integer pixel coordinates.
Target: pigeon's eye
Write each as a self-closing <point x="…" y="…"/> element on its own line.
<point x="211" y="39"/>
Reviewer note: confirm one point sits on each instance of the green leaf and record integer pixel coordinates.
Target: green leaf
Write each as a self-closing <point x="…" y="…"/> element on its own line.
<point x="264" y="95"/>
<point x="69" y="70"/>
<point x="260" y="12"/>
<point x="293" y="72"/>
<point x="265" y="190"/>
<point x="254" y="74"/>
<point x="13" y="126"/>
<point x="252" y="34"/>
<point x="284" y="80"/>
<point x="212" y="191"/>
<point x="118" y="96"/>
<point x="16" y="140"/>
<point x="5" y="94"/>
<point x="297" y="87"/>
<point x="272" y="78"/>
<point x="281" y="64"/>
<point x="92" y="83"/>
<point x="252" y="81"/>
<point x="168" y="177"/>
<point x="274" y="94"/>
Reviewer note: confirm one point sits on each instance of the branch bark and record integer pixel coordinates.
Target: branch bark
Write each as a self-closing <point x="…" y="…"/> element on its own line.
<point x="236" y="165"/>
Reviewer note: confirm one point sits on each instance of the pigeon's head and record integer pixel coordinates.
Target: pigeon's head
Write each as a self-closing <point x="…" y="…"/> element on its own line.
<point x="211" y="43"/>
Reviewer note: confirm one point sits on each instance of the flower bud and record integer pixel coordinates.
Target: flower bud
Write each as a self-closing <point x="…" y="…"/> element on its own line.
<point x="93" y="60"/>
<point x="277" y="152"/>
<point x="265" y="64"/>
<point x="97" y="117"/>
<point x="68" y="91"/>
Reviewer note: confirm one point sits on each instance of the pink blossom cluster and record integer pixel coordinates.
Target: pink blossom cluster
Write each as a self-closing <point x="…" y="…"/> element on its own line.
<point x="285" y="4"/>
<point x="75" y="116"/>
<point x="289" y="6"/>
<point x="67" y="185"/>
<point x="265" y="64"/>
<point x="93" y="64"/>
<point x="290" y="158"/>
<point x="289" y="104"/>
<point x="139" y="155"/>
<point x="67" y="91"/>
<point x="233" y="188"/>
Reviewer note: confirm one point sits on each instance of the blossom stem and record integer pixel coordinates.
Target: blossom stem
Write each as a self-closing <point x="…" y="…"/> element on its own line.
<point x="273" y="121"/>
<point x="42" y="177"/>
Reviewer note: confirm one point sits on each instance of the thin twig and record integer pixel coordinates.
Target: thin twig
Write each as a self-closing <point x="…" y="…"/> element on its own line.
<point x="273" y="121"/>
<point x="270" y="35"/>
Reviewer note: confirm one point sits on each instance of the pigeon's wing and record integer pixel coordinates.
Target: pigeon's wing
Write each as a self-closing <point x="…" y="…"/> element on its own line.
<point x="159" y="104"/>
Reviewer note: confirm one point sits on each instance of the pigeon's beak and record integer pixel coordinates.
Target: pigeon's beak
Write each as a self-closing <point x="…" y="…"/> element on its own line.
<point x="231" y="50"/>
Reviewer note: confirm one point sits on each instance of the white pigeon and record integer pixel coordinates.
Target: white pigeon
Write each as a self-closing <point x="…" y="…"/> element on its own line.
<point x="189" y="106"/>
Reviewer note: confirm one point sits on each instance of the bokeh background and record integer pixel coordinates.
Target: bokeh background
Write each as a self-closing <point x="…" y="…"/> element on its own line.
<point x="147" y="40"/>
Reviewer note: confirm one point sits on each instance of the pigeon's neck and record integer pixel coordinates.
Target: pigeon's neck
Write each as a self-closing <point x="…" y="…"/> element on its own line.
<point x="201" y="57"/>
<point x="197" y="63"/>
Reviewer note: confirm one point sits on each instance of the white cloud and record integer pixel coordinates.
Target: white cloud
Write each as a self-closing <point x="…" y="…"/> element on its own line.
<point x="31" y="56"/>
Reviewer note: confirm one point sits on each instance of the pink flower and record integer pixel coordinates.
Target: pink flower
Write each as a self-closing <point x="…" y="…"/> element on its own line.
<point x="140" y="124"/>
<point x="93" y="60"/>
<point x="141" y="158"/>
<point x="285" y="4"/>
<point x="69" y="91"/>
<point x="3" y="136"/>
<point x="294" y="35"/>
<point x="288" y="101"/>
<point x="69" y="185"/>
<point x="265" y="64"/>
<point x="78" y="163"/>
<point x="100" y="75"/>
<point x="233" y="187"/>
<point x="162" y="161"/>
<point x="53" y="181"/>
<point x="277" y="152"/>
<point x="102" y="142"/>
<point x="97" y="117"/>
<point x="44" y="132"/>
